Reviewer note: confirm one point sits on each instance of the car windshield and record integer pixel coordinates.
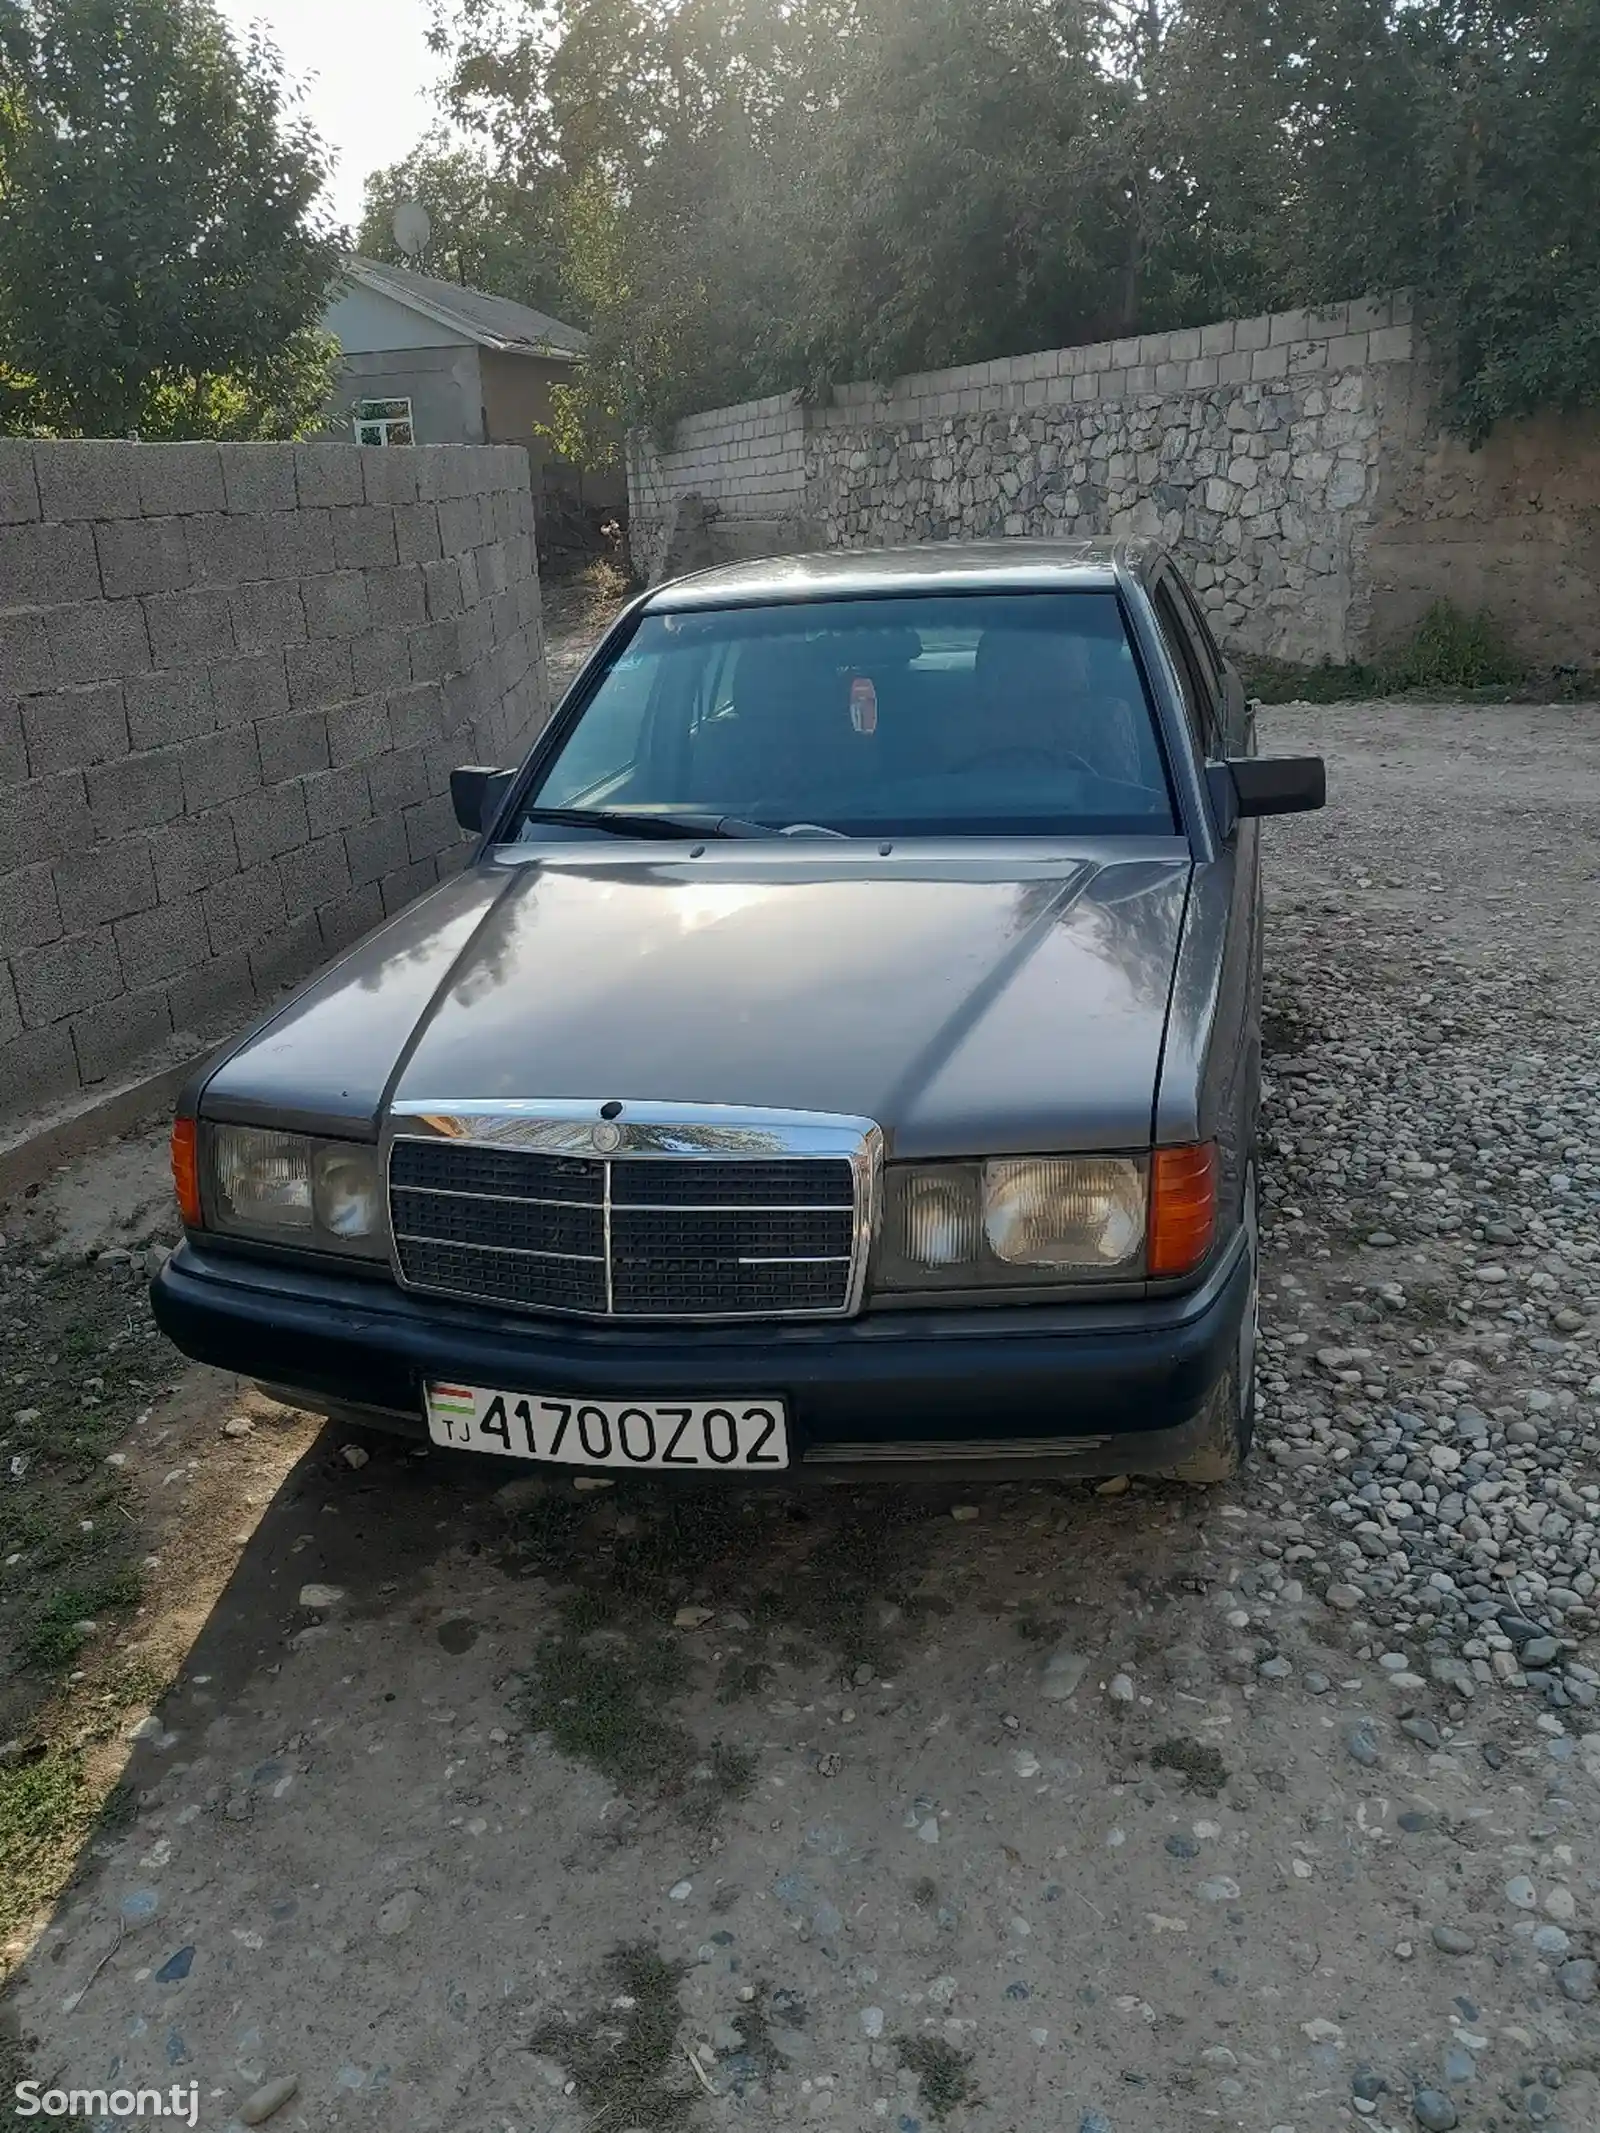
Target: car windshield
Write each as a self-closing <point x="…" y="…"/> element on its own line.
<point x="1014" y="714"/>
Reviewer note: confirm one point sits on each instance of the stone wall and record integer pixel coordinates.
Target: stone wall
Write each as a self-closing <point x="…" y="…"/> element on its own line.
<point x="1295" y="462"/>
<point x="233" y="682"/>
<point x="1254" y="448"/>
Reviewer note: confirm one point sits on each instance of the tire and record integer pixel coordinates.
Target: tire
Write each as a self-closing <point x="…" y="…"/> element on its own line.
<point x="1230" y="1417"/>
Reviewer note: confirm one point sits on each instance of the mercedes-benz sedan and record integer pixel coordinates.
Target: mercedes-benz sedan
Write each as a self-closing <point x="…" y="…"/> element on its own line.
<point x="839" y="1056"/>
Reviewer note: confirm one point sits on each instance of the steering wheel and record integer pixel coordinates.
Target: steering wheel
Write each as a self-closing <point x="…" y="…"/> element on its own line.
<point x="1024" y="758"/>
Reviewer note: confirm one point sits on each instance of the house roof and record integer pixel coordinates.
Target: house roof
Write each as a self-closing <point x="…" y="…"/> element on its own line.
<point x="491" y="321"/>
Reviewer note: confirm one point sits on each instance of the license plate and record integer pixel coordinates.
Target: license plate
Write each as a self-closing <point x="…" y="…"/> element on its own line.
<point x="743" y="1433"/>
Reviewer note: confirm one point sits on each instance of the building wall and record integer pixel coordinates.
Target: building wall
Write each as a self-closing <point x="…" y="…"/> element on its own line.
<point x="516" y="398"/>
<point x="444" y="385"/>
<point x="1296" y="463"/>
<point x="363" y="322"/>
<point x="233" y="682"/>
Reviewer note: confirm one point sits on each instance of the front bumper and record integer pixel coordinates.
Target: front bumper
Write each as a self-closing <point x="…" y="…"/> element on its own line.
<point x="1008" y="1392"/>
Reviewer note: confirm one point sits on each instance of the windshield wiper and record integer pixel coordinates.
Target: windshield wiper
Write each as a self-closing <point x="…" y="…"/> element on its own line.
<point x="617" y="822"/>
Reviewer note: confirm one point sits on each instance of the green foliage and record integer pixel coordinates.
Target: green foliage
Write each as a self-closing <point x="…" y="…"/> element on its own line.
<point x="1450" y="149"/>
<point x="584" y="427"/>
<point x="46" y="1810"/>
<point x="750" y="199"/>
<point x="52" y="1640"/>
<point x="164" y="268"/>
<point x="1447" y="652"/>
<point x="944" y="2074"/>
<point x="601" y="1703"/>
<point x="488" y="232"/>
<point x="623" y="2057"/>
<point x="1450" y="650"/>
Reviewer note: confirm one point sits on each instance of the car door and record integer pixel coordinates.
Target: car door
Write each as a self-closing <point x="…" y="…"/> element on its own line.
<point x="1219" y="716"/>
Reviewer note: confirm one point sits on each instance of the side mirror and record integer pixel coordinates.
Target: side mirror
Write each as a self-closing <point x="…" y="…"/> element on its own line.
<point x="476" y="792"/>
<point x="1266" y="785"/>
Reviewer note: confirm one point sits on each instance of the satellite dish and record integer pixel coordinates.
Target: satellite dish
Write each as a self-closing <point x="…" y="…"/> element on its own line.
<point x="411" y="227"/>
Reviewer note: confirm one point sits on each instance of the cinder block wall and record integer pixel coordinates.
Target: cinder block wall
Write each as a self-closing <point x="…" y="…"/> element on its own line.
<point x="747" y="465"/>
<point x="233" y="682"/>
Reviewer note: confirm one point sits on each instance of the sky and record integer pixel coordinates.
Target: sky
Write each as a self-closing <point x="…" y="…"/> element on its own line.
<point x="367" y="71"/>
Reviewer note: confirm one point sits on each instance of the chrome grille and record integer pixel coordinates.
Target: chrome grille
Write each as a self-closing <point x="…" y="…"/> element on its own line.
<point x="664" y="1226"/>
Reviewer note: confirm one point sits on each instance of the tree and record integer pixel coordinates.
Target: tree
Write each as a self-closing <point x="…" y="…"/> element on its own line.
<point x="759" y="195"/>
<point x="488" y="232"/>
<point x="165" y="262"/>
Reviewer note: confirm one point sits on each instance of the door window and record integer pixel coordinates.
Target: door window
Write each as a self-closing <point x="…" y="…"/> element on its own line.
<point x="1201" y="637"/>
<point x="1195" y="678"/>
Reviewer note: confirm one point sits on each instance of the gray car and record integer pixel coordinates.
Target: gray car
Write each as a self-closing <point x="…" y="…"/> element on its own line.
<point x="840" y="1054"/>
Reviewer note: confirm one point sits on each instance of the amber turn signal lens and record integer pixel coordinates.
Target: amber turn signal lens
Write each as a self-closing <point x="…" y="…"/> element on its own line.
<point x="1183" y="1207"/>
<point x="186" y="1172"/>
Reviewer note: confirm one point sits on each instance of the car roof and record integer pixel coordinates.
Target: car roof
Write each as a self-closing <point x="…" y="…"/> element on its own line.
<point x="1094" y="564"/>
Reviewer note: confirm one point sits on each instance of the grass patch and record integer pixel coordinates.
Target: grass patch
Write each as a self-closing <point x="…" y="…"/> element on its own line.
<point x="620" y="2056"/>
<point x="797" y="1578"/>
<point x="848" y="1580"/>
<point x="79" y="1356"/>
<point x="1284" y="681"/>
<point x="733" y="1770"/>
<point x="1202" y="1769"/>
<point x="744" y="1680"/>
<point x="601" y="1698"/>
<point x="1452" y="650"/>
<point x="944" y="2075"/>
<point x="800" y="1574"/>
<point x="57" y="1633"/>
<point x="47" y="1810"/>
<point x="759" y="2056"/>
<point x="754" y="2022"/>
<point x="600" y="1701"/>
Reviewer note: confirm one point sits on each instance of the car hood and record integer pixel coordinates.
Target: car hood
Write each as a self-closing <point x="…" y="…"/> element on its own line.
<point x="992" y="1006"/>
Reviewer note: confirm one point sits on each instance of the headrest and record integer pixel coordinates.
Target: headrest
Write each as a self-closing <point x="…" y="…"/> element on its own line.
<point x="878" y="651"/>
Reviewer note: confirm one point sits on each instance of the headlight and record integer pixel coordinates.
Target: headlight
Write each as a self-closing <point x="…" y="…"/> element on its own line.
<point x="1078" y="1215"/>
<point x="940" y="1217"/>
<point x="263" y="1180"/>
<point x="1014" y="1223"/>
<point x="285" y="1188"/>
<point x="345" y="1194"/>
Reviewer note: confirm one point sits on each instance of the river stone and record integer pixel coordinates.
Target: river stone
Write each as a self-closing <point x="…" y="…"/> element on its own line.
<point x="271" y="2096"/>
<point x="1434" y="2111"/>
<point x="1063" y="1671"/>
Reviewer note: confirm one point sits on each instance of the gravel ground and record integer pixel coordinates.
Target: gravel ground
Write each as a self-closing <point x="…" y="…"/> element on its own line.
<point x="1115" y="1810"/>
<point x="1433" y="1180"/>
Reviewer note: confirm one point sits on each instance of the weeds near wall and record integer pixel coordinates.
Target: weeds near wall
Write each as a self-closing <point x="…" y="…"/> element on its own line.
<point x="1450" y="650"/>
<point x="1449" y="653"/>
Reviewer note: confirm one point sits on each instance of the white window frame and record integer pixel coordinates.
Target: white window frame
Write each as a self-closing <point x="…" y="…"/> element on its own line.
<point x="364" y="424"/>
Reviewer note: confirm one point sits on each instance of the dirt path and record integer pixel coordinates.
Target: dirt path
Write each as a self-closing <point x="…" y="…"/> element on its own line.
<point x="577" y="609"/>
<point x="1116" y="1811"/>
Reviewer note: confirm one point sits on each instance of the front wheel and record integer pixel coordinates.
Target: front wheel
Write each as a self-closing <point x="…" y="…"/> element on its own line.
<point x="1230" y="1417"/>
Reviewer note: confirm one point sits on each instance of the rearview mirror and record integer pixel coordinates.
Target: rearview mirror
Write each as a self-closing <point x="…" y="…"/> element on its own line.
<point x="476" y="792"/>
<point x="1266" y="785"/>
